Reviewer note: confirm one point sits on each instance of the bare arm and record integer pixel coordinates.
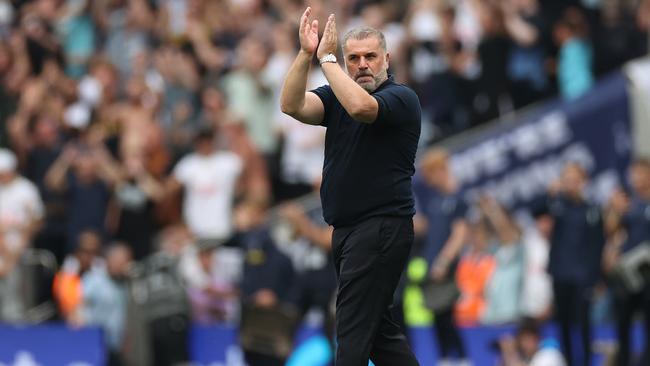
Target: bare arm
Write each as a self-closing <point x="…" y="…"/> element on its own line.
<point x="55" y="177"/>
<point x="151" y="186"/>
<point x="451" y="249"/>
<point x="505" y="228"/>
<point x="109" y="170"/>
<point x="360" y="105"/>
<point x="320" y="235"/>
<point x="523" y="33"/>
<point x="294" y="100"/>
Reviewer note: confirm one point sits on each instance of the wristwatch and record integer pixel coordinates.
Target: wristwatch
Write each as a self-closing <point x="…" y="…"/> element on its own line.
<point x="330" y="57"/>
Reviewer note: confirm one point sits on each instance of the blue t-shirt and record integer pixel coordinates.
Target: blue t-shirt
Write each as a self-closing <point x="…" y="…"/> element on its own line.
<point x="368" y="167"/>
<point x="441" y="211"/>
<point x="637" y="224"/>
<point x="577" y="240"/>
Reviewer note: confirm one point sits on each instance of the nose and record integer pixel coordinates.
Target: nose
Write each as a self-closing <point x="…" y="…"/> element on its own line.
<point x="362" y="63"/>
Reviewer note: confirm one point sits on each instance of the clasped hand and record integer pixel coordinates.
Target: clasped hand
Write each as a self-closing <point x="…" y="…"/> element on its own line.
<point x="309" y="35"/>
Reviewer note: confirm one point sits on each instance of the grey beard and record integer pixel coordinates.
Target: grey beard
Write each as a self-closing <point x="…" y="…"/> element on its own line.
<point x="377" y="80"/>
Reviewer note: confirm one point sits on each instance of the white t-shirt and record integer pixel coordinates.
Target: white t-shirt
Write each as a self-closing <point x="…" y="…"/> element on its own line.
<point x="547" y="357"/>
<point x="537" y="291"/>
<point x="209" y="183"/>
<point x="303" y="151"/>
<point x="20" y="205"/>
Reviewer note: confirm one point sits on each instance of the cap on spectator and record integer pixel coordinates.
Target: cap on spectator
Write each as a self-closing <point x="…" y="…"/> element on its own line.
<point x="90" y="90"/>
<point x="8" y="161"/>
<point x="77" y="116"/>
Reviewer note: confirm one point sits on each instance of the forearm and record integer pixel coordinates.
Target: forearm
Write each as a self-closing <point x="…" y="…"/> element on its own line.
<point x="612" y="222"/>
<point x="151" y="187"/>
<point x="55" y="178"/>
<point x="321" y="236"/>
<point x="354" y="99"/>
<point x="523" y="33"/>
<point x="454" y="244"/>
<point x="506" y="229"/>
<point x="109" y="171"/>
<point x="292" y="97"/>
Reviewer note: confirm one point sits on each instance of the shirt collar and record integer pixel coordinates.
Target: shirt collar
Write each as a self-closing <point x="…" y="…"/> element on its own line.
<point x="390" y="80"/>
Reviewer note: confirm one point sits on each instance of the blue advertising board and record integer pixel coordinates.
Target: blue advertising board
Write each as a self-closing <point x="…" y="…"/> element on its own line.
<point x="50" y="345"/>
<point x="58" y="345"/>
<point x="516" y="160"/>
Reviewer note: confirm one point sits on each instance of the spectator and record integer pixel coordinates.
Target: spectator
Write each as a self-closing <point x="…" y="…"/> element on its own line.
<point x="14" y="68"/>
<point x="268" y="273"/>
<point x="577" y="233"/>
<point x="126" y="26"/>
<point x="76" y="29"/>
<point x="301" y="165"/>
<point x="439" y="69"/>
<point x="132" y="208"/>
<point x="213" y="297"/>
<point x="632" y="215"/>
<point x="21" y="211"/>
<point x="232" y="136"/>
<point x="643" y="25"/>
<point x="492" y="98"/>
<point x="249" y="96"/>
<point x="315" y="283"/>
<point x="474" y="271"/>
<point x="209" y="177"/>
<point x="528" y="28"/>
<point x="574" y="65"/>
<point x="616" y="39"/>
<point x="87" y="175"/>
<point x="68" y="282"/>
<point x="158" y="318"/>
<point x="537" y="290"/>
<point x="41" y="44"/>
<point x="442" y="219"/>
<point x="504" y="287"/>
<point x="43" y="149"/>
<point x="529" y="349"/>
<point x="105" y="299"/>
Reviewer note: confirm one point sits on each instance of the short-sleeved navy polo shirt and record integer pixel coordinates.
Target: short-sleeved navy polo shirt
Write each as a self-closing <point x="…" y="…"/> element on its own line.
<point x="577" y="240"/>
<point x="368" y="167"/>
<point x="441" y="211"/>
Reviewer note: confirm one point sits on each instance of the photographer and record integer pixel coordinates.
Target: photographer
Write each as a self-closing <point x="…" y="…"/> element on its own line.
<point x="630" y="216"/>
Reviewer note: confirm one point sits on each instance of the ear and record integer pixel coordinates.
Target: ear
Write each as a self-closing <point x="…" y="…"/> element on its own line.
<point x="387" y="60"/>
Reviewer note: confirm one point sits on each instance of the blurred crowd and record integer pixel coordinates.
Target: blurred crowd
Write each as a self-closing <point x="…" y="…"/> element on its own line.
<point x="564" y="258"/>
<point x="142" y="147"/>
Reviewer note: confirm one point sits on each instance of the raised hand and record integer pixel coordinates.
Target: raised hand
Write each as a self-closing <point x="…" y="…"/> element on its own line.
<point x="330" y="38"/>
<point x="308" y="33"/>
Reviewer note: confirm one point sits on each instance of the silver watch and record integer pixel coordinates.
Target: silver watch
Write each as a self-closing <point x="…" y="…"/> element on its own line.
<point x="330" y="57"/>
